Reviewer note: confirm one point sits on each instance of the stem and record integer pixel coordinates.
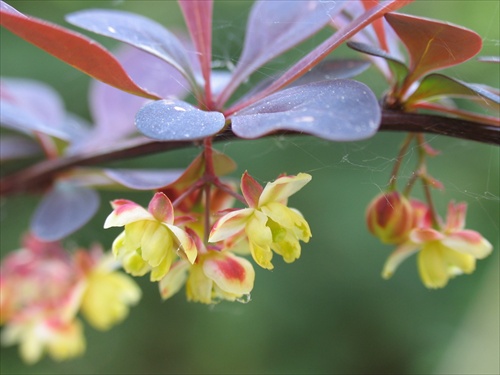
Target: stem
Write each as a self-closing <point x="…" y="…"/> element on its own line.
<point x="422" y="173"/>
<point x="399" y="159"/>
<point x="231" y="192"/>
<point x="206" y="232"/>
<point x="186" y="193"/>
<point x="209" y="160"/>
<point x="41" y="175"/>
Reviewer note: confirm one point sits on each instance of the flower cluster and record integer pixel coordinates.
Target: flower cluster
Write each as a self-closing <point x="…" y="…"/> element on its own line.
<point x="179" y="243"/>
<point x="43" y="288"/>
<point x="445" y="249"/>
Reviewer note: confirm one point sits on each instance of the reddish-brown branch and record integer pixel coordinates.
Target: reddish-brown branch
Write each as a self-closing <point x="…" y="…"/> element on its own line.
<point x="41" y="175"/>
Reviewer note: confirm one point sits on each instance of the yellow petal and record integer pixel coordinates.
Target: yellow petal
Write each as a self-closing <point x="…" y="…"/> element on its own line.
<point x="187" y="248"/>
<point x="199" y="286"/>
<point x="432" y="266"/>
<point x="257" y="231"/>
<point x="469" y="242"/>
<point x="156" y="242"/>
<point x="262" y="255"/>
<point x="232" y="274"/>
<point x="288" y="248"/>
<point x="458" y="262"/>
<point x="118" y="246"/>
<point x="282" y="188"/>
<point x="280" y="213"/>
<point x="397" y="257"/>
<point x="158" y="272"/>
<point x="127" y="214"/>
<point x="67" y="342"/>
<point x="134" y="233"/>
<point x="135" y="265"/>
<point x="174" y="279"/>
<point x="107" y="298"/>
<point x="230" y="224"/>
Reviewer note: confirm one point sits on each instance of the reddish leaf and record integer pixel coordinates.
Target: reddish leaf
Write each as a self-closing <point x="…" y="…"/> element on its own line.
<point x="338" y="110"/>
<point x="72" y="48"/>
<point x="438" y="85"/>
<point x="378" y="24"/>
<point x="175" y="120"/>
<point x="198" y="16"/>
<point x="273" y="28"/>
<point x="432" y="44"/>
<point x="319" y="53"/>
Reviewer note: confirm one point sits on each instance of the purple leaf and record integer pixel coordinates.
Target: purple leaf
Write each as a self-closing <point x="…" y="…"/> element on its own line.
<point x="15" y="147"/>
<point x="63" y="210"/>
<point x="17" y="118"/>
<point x="339" y="110"/>
<point x="144" y="179"/>
<point x="138" y="31"/>
<point x="7" y="8"/>
<point x="273" y="28"/>
<point x="175" y="120"/>
<point x="29" y="106"/>
<point x="325" y="70"/>
<point x="114" y="110"/>
<point x="198" y="16"/>
<point x="314" y="57"/>
<point x="378" y="33"/>
<point x="72" y="48"/>
<point x="333" y="69"/>
<point x="37" y="99"/>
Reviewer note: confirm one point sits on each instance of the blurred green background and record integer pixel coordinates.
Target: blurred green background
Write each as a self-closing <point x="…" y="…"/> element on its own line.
<point x="330" y="312"/>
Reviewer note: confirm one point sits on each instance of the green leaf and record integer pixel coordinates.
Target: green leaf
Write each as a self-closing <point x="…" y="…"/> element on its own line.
<point x="438" y="85"/>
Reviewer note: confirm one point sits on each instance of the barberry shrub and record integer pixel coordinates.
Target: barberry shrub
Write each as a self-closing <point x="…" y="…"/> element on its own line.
<point x="239" y="145"/>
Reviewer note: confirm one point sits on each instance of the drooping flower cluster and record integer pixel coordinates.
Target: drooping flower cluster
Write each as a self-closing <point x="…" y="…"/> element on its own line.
<point x="445" y="249"/>
<point x="182" y="245"/>
<point x="43" y="288"/>
<point x="442" y="253"/>
<point x="268" y="224"/>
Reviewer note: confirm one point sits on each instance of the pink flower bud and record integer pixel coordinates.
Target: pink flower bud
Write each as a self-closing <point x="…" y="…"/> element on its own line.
<point x="389" y="217"/>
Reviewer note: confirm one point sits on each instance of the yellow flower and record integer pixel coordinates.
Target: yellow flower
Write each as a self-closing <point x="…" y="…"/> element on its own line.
<point x="39" y="331"/>
<point x="150" y="241"/>
<point x="107" y="293"/>
<point x="268" y="224"/>
<point x="443" y="254"/>
<point x="216" y="275"/>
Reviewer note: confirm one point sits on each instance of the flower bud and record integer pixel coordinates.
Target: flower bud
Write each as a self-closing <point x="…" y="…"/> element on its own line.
<point x="389" y="217"/>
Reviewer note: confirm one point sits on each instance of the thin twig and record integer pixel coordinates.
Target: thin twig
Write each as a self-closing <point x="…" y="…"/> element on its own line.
<point x="40" y="176"/>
